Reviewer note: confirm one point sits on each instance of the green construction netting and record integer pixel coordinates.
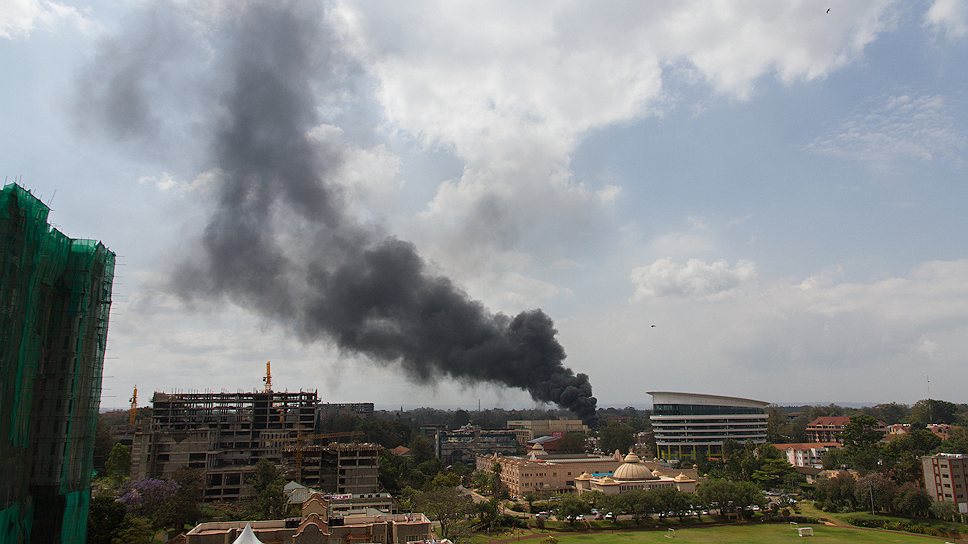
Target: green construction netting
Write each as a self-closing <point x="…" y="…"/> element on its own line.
<point x="55" y="296"/>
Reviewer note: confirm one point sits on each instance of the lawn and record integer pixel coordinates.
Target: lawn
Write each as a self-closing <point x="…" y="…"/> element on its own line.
<point x="747" y="534"/>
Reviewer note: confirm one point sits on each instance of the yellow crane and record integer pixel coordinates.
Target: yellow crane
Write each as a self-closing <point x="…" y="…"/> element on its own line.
<point x="133" y="412"/>
<point x="268" y="379"/>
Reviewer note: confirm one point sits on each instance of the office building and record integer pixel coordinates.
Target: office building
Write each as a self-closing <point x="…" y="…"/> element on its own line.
<point x="464" y="444"/>
<point x="693" y="426"/>
<point x="55" y="300"/>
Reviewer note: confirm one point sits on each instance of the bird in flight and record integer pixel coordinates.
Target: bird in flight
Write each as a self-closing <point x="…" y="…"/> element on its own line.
<point x="653" y="326"/>
<point x="828" y="10"/>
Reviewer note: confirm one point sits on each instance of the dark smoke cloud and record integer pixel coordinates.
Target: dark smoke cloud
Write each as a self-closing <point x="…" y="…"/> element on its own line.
<point x="278" y="240"/>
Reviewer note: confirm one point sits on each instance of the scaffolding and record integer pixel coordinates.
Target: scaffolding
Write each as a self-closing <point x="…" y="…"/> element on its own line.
<point x="55" y="298"/>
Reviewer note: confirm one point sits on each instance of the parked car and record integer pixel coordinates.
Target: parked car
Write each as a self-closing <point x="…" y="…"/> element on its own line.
<point x="580" y="517"/>
<point x="609" y="516"/>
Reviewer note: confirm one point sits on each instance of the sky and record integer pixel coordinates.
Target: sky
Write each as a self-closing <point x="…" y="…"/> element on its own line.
<point x="758" y="199"/>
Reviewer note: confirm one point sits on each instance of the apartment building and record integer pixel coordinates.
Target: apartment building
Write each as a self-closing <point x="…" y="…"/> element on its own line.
<point x="946" y="478"/>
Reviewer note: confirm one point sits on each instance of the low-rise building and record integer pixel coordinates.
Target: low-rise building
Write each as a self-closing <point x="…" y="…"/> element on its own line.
<point x="831" y="428"/>
<point x="317" y="525"/>
<point x="533" y="428"/>
<point x="946" y="478"/>
<point x="941" y="430"/>
<point x="808" y="454"/>
<point x="631" y="475"/>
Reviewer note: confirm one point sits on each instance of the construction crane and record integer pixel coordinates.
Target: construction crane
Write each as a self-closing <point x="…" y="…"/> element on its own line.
<point x="133" y="412"/>
<point x="268" y="379"/>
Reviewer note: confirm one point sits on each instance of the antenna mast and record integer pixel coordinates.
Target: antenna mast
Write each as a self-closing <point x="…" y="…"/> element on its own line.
<point x="268" y="378"/>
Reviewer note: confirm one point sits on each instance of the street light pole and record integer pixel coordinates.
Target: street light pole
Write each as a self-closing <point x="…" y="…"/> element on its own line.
<point x="871" y="487"/>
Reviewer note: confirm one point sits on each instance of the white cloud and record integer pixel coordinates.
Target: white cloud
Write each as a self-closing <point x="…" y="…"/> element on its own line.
<point x="949" y="17"/>
<point x="18" y="18"/>
<point x="694" y="278"/>
<point x="512" y="88"/>
<point x="834" y="341"/>
<point x="899" y="127"/>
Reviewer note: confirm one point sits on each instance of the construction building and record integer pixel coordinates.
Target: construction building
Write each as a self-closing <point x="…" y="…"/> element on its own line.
<point x="465" y="444"/>
<point x="335" y="468"/>
<point x="55" y="300"/>
<point x="358" y="409"/>
<point x="223" y="434"/>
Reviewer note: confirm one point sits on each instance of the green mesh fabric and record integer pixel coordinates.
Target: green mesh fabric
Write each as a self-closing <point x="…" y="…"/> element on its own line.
<point x="55" y="297"/>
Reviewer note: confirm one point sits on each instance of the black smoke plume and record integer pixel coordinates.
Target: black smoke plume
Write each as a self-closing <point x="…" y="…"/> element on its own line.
<point x="279" y="241"/>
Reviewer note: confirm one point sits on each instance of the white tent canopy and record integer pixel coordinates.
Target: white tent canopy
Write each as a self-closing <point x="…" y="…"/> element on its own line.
<point x="247" y="536"/>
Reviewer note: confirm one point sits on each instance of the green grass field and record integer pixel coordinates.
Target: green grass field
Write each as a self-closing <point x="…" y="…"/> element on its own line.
<point x="750" y="534"/>
<point x="742" y="534"/>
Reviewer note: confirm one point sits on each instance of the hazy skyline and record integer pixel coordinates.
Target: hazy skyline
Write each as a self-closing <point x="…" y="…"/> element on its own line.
<point x="778" y="189"/>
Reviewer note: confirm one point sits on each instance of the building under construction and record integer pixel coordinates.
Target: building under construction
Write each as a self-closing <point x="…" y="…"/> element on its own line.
<point x="224" y="434"/>
<point x="55" y="298"/>
<point x="334" y="468"/>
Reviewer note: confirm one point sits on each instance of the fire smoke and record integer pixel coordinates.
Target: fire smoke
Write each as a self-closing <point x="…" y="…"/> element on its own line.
<point x="278" y="240"/>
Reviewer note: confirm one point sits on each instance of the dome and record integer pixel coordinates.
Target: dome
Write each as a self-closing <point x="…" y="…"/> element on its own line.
<point x="633" y="469"/>
<point x="584" y="476"/>
<point x="682" y="478"/>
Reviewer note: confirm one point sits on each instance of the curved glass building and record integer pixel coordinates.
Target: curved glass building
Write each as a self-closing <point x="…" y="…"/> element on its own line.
<point x="692" y="425"/>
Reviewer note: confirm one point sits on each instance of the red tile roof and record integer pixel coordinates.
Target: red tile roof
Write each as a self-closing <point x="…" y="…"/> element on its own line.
<point x="830" y="421"/>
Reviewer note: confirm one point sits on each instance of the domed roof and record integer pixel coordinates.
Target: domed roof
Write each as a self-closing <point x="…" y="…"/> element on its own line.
<point x="584" y="476"/>
<point x="633" y="469"/>
<point x="682" y="478"/>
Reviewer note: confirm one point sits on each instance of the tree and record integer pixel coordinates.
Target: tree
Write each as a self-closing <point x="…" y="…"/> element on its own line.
<point x="573" y="442"/>
<point x="911" y="500"/>
<point x="875" y="490"/>
<point x="862" y="432"/>
<point x="421" y="448"/>
<point x="861" y="439"/>
<point x="268" y="496"/>
<point x="104" y="442"/>
<point x="118" y="465"/>
<point x="447" y="505"/>
<point x="616" y="436"/>
<point x="134" y="530"/>
<point x="933" y="411"/>
<point x="104" y="519"/>
<point x="461" y="418"/>
<point x="957" y="441"/>
<point x="944" y="510"/>
<point x="837" y="493"/>
<point x="182" y="508"/>
<point x="772" y="473"/>
<point x="901" y="457"/>
<point x="572" y="506"/>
